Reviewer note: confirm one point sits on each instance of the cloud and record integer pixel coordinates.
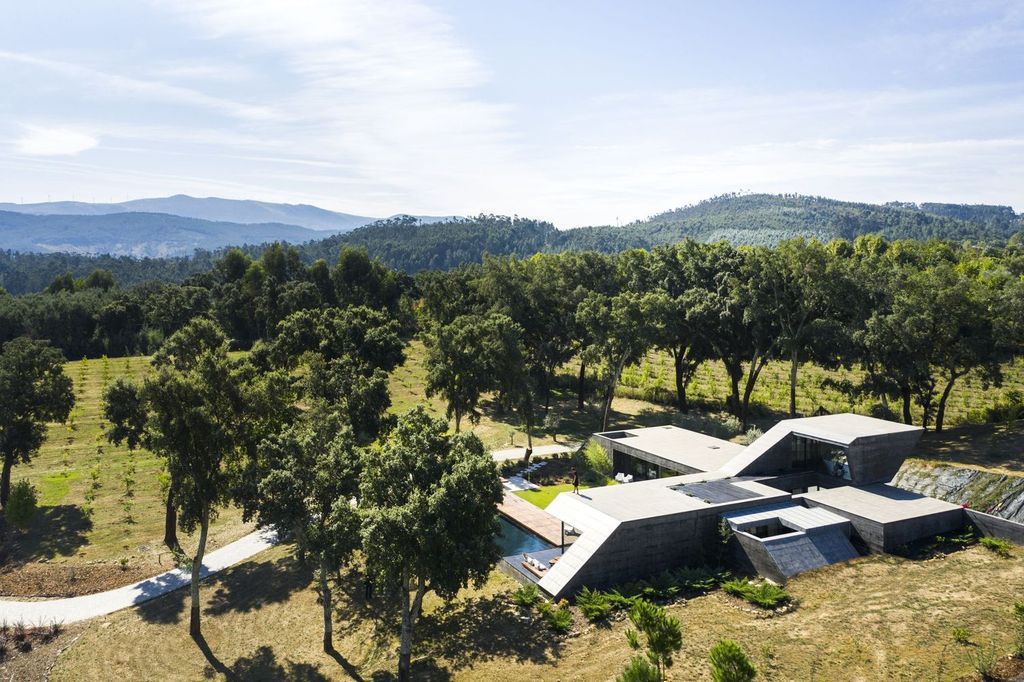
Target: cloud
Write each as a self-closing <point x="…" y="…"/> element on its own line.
<point x="44" y="141"/>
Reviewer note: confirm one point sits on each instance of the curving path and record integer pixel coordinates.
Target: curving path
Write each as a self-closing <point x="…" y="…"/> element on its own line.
<point x="74" y="609"/>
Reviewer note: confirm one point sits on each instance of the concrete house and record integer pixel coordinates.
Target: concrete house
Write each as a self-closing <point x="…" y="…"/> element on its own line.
<point x="809" y="492"/>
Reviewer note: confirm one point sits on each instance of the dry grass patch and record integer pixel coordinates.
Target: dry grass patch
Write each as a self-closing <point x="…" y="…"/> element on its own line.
<point x="875" y="618"/>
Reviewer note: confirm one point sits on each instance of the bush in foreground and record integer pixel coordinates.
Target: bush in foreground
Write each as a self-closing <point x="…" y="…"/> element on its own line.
<point x="1001" y="547"/>
<point x="639" y="669"/>
<point x="729" y="663"/>
<point x="761" y="593"/>
<point x="21" y="505"/>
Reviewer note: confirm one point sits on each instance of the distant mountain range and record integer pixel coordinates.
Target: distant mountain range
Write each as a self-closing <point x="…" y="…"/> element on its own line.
<point x="179" y="225"/>
<point x="167" y="226"/>
<point x="207" y="208"/>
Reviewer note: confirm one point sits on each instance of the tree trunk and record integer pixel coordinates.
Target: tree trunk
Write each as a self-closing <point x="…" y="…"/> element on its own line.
<point x="581" y="385"/>
<point x="940" y="415"/>
<point x="458" y="421"/>
<point x="732" y="403"/>
<point x="5" y="480"/>
<point x="325" y="595"/>
<point x="906" y="396"/>
<point x="756" y="365"/>
<point x="794" y="367"/>
<point x="610" y="393"/>
<point x="171" y="522"/>
<point x="405" y="640"/>
<point x="197" y="568"/>
<point x="678" y="357"/>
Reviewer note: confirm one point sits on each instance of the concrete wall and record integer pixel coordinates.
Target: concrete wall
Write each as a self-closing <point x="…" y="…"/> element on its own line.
<point x="885" y="537"/>
<point x="752" y="556"/>
<point x="876" y="459"/>
<point x="644" y="548"/>
<point x="994" y="526"/>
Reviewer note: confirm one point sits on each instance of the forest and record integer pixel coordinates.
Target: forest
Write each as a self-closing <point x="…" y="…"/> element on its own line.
<point x="407" y="244"/>
<point x="914" y="317"/>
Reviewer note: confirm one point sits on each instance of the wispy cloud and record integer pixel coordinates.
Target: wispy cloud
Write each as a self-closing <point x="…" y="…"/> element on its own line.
<point x="46" y="141"/>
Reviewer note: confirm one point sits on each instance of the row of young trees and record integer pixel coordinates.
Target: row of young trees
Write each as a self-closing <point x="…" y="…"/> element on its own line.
<point x="916" y="317"/>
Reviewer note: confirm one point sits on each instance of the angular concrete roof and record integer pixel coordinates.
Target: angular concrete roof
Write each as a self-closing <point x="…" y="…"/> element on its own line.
<point x="648" y="499"/>
<point x="879" y="502"/>
<point x="686" y="448"/>
<point x="845" y="428"/>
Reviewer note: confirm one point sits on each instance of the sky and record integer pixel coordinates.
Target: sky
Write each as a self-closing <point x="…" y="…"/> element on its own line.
<point x="577" y="112"/>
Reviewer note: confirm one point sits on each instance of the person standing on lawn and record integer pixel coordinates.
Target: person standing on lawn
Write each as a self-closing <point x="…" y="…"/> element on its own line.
<point x="575" y="481"/>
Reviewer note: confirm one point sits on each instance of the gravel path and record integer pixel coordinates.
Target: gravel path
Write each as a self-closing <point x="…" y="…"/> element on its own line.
<point x="75" y="609"/>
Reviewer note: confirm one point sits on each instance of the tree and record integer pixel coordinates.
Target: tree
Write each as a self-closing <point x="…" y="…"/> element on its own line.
<point x="729" y="663"/>
<point x="460" y="363"/>
<point x="201" y="412"/>
<point x="639" y="669"/>
<point x="742" y="321"/>
<point x="33" y="391"/>
<point x="429" y="504"/>
<point x="309" y="488"/>
<point x="125" y="404"/>
<point x="662" y="634"/>
<point x="806" y="288"/>
<point x="623" y="330"/>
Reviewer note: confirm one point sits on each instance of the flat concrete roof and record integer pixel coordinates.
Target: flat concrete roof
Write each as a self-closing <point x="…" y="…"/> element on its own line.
<point x="650" y="499"/>
<point x="845" y="428"/>
<point x="684" y="447"/>
<point x="879" y="502"/>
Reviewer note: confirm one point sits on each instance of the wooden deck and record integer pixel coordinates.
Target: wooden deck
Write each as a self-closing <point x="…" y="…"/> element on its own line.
<point x="532" y="518"/>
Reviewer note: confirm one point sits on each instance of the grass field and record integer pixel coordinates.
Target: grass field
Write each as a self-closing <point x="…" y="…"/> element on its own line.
<point x="76" y="545"/>
<point x="876" y="618"/>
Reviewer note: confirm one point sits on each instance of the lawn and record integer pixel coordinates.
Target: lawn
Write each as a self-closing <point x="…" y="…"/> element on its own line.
<point x="875" y="618"/>
<point x="543" y="497"/>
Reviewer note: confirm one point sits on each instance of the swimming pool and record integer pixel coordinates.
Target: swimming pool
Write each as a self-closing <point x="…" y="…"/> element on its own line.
<point x="513" y="540"/>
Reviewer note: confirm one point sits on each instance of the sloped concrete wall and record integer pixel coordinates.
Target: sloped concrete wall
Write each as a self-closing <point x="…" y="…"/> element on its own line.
<point x="993" y="526"/>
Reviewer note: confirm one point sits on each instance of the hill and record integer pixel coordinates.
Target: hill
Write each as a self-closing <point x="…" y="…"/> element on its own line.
<point x="206" y="208"/>
<point x="135" y="234"/>
<point x="758" y="219"/>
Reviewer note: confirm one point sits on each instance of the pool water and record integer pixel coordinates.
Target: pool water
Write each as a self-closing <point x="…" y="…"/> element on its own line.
<point x="513" y="540"/>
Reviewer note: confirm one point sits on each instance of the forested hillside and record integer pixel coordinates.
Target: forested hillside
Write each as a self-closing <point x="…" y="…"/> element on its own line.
<point x="413" y="244"/>
<point x="754" y="219"/>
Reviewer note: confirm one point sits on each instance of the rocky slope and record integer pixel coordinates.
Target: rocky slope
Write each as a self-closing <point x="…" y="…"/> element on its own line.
<point x="997" y="494"/>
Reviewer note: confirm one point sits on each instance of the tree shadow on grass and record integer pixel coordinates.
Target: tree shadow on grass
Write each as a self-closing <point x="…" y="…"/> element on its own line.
<point x="484" y="628"/>
<point x="55" y="531"/>
<point x="261" y="665"/>
<point x="251" y="586"/>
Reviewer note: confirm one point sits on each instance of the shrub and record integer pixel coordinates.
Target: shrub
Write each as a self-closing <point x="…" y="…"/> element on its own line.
<point x="983" y="660"/>
<point x="761" y="593"/>
<point x="527" y="595"/>
<point x="752" y="434"/>
<point x="1000" y="546"/>
<point x="21" y="505"/>
<point x="662" y="634"/>
<point x="559" y="618"/>
<point x="594" y="464"/>
<point x="639" y="669"/>
<point x="729" y="663"/>
<point x="593" y="604"/>
<point x="961" y="635"/>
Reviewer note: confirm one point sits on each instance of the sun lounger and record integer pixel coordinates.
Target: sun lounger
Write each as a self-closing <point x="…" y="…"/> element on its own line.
<point x="533" y="570"/>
